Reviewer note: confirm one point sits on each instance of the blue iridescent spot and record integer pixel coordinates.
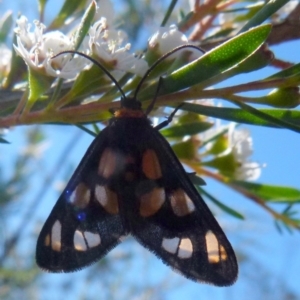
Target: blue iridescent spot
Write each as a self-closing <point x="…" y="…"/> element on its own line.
<point x="67" y="195"/>
<point x="81" y="216"/>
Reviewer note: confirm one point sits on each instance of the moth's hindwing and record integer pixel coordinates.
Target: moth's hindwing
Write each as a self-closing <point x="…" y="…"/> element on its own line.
<point x="174" y="222"/>
<point x="85" y="222"/>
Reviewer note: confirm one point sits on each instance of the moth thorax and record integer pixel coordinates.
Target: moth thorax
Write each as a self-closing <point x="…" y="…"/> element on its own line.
<point x="129" y="113"/>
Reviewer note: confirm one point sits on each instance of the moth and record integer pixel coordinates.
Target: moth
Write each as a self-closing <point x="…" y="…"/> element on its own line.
<point x="130" y="182"/>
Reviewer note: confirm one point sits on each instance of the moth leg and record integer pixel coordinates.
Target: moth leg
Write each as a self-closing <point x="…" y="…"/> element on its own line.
<point x="151" y="105"/>
<point x="169" y="119"/>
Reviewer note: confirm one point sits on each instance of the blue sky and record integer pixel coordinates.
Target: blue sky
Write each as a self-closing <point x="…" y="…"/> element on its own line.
<point x="266" y="257"/>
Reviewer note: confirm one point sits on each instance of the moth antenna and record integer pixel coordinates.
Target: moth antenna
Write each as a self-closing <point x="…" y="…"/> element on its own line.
<point x="113" y="79"/>
<point x="162" y="58"/>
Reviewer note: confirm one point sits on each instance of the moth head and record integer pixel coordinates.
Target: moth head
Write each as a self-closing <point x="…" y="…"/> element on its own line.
<point x="130" y="103"/>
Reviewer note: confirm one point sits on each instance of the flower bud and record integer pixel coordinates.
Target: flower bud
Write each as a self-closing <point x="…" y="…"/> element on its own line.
<point x="187" y="150"/>
<point x="284" y="97"/>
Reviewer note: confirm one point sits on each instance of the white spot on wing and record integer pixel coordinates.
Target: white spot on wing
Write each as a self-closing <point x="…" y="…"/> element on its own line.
<point x="185" y="249"/>
<point x="108" y="163"/>
<point x="170" y="245"/>
<point x="189" y="203"/>
<point x="107" y="199"/>
<point x="93" y="239"/>
<point x="79" y="242"/>
<point x="181" y="203"/>
<point x="101" y="195"/>
<point x="56" y="236"/>
<point x="212" y="247"/>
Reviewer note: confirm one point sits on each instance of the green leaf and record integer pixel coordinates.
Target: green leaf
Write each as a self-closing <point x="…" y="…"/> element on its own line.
<point x="18" y="68"/>
<point x="197" y="180"/>
<point x="264" y="13"/>
<point x="87" y="83"/>
<point x="187" y="149"/>
<point x="66" y="12"/>
<point x="219" y="144"/>
<point x="168" y="13"/>
<point x="87" y="130"/>
<point x="85" y="25"/>
<point x="241" y="116"/>
<point x="185" y="129"/>
<point x="267" y="117"/>
<point x="292" y="71"/>
<point x="280" y="226"/>
<point x="3" y="141"/>
<point x="217" y="60"/>
<point x="42" y="7"/>
<point x="239" y="14"/>
<point x="272" y="193"/>
<point x="38" y="85"/>
<point x="257" y="60"/>
<point x="212" y="63"/>
<point x="224" y="207"/>
<point x="226" y="164"/>
<point x="6" y="23"/>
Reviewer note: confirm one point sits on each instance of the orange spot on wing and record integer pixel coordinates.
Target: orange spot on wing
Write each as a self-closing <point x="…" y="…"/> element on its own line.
<point x="47" y="240"/>
<point x="152" y="202"/>
<point x="223" y="253"/>
<point x="151" y="165"/>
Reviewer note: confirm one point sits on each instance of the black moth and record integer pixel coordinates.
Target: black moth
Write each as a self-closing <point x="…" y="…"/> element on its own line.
<point x="131" y="182"/>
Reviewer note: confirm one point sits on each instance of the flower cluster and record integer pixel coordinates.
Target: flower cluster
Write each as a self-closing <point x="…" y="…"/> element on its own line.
<point x="229" y="153"/>
<point x="110" y="45"/>
<point x="37" y="48"/>
<point x="106" y="43"/>
<point x="241" y="145"/>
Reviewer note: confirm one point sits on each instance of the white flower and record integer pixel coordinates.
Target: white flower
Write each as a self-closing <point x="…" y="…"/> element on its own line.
<point x="37" y="48"/>
<point x="28" y="38"/>
<point x="241" y="142"/>
<point x="3" y="131"/>
<point x="166" y="39"/>
<point x="5" y="57"/>
<point x="241" y="145"/>
<point x="248" y="171"/>
<point x="110" y="45"/>
<point x="63" y="66"/>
